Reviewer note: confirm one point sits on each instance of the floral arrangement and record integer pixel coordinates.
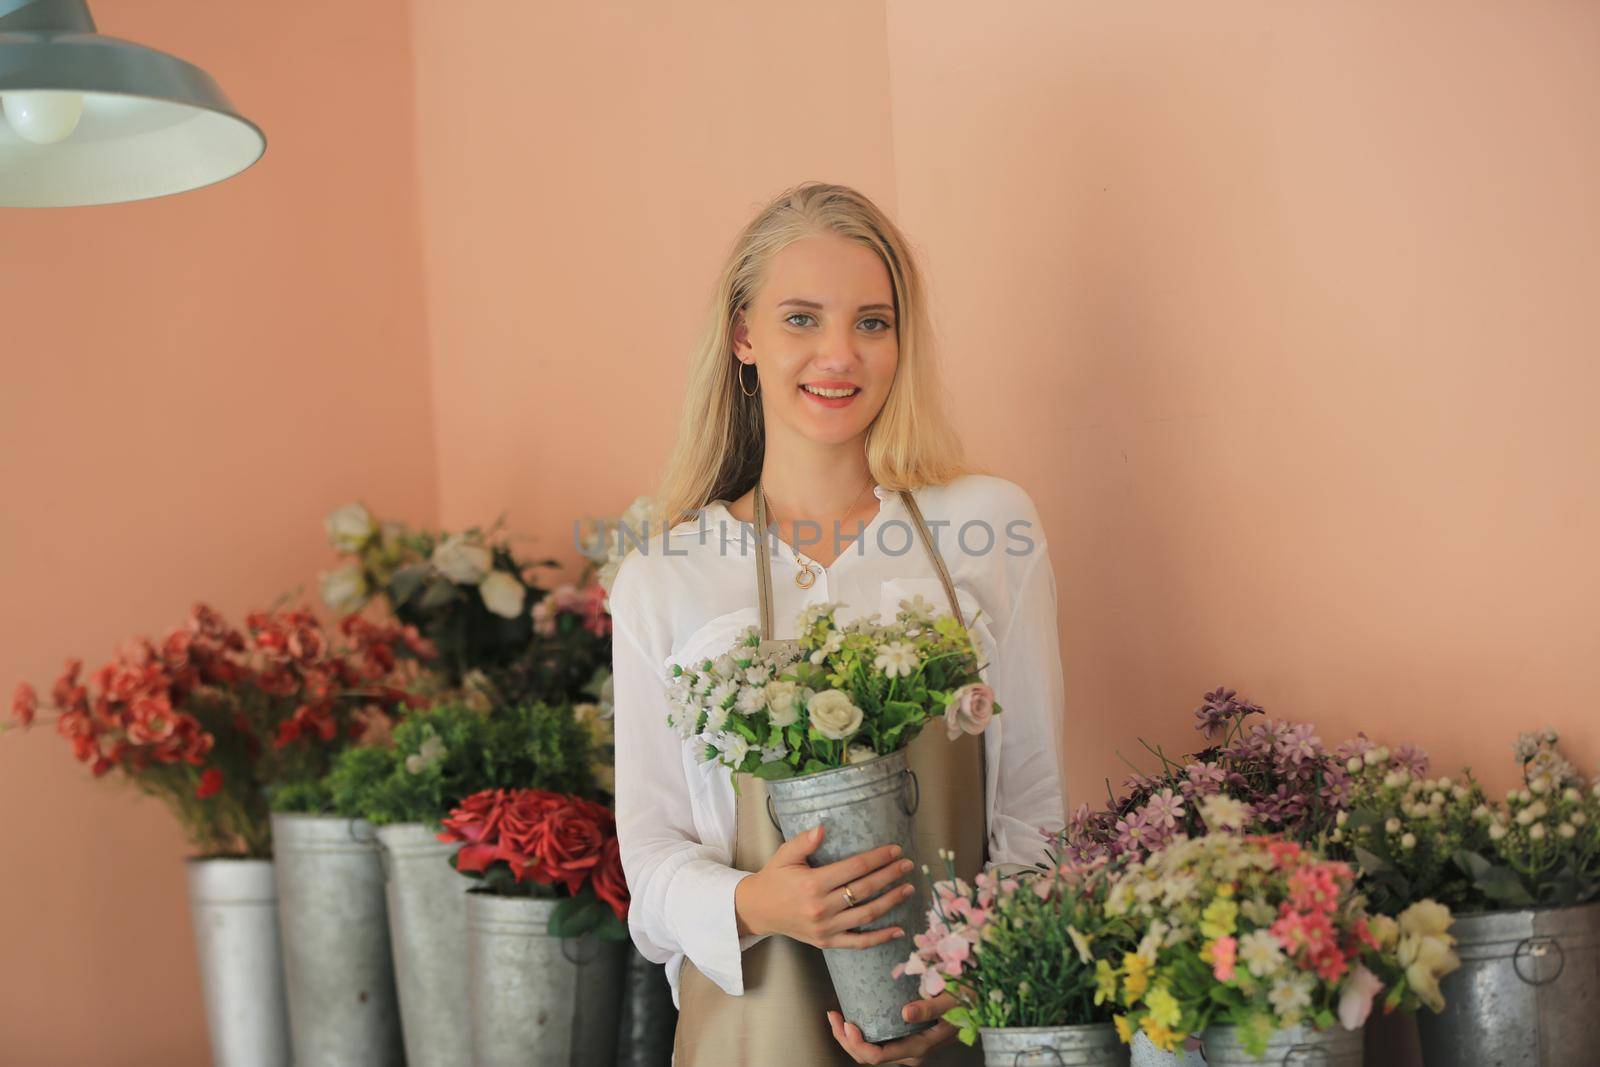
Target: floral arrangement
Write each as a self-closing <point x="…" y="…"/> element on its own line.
<point x="837" y="695"/>
<point x="442" y="754"/>
<point x="535" y="842"/>
<point x="1438" y="837"/>
<point x="1019" y="951"/>
<point x="1260" y="933"/>
<point x="1280" y="771"/>
<point x="465" y="591"/>
<point x="209" y="716"/>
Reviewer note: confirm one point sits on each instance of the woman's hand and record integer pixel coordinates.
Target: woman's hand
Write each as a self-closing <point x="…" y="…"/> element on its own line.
<point x="809" y="904"/>
<point x="908" y="1050"/>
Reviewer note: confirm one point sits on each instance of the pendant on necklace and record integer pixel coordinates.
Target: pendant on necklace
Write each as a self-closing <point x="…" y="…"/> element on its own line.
<point x="806" y="577"/>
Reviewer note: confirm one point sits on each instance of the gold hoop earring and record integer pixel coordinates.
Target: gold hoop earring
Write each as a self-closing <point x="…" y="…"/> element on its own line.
<point x="742" y="389"/>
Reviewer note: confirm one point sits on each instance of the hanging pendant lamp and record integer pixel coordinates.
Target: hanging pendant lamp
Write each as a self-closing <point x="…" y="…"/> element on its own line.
<point x="87" y="119"/>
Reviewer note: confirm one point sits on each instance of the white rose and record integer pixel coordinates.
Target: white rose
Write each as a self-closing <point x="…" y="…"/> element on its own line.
<point x="344" y="590"/>
<point x="860" y="754"/>
<point x="462" y="561"/>
<point x="832" y="714"/>
<point x="503" y="594"/>
<point x="349" y="527"/>
<point x="783" y="702"/>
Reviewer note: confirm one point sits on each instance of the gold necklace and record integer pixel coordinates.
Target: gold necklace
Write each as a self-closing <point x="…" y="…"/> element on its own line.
<point x="806" y="577"/>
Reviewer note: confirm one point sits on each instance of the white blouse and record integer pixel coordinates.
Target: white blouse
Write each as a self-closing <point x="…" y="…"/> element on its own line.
<point x="683" y="596"/>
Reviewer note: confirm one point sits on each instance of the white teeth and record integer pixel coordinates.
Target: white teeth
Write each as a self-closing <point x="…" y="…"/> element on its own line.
<point x="834" y="393"/>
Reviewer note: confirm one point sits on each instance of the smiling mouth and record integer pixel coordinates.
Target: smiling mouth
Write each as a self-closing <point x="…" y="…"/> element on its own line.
<point x="830" y="394"/>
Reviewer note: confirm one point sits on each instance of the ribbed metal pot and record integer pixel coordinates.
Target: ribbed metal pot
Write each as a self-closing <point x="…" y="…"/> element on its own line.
<point x="862" y="806"/>
<point x="648" y="1020"/>
<point x="537" y="1000"/>
<point x="427" y="902"/>
<point x="1527" y="993"/>
<point x="343" y="1011"/>
<point x="1053" y="1046"/>
<point x="1295" y="1046"/>
<point x="1144" y="1054"/>
<point x="234" y="907"/>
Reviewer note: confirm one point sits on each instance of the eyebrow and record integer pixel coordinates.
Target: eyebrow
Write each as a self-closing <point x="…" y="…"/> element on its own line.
<point x="797" y="302"/>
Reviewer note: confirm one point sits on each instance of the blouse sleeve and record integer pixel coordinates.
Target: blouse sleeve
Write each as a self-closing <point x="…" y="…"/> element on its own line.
<point x="1027" y="681"/>
<point x="682" y="889"/>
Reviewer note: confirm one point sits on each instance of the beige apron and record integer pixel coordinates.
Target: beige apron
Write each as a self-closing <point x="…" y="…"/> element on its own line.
<point x="780" y="1018"/>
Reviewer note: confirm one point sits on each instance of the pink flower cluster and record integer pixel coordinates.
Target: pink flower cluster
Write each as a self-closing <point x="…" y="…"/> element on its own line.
<point x="1307" y="923"/>
<point x="588" y="603"/>
<point x="955" y="925"/>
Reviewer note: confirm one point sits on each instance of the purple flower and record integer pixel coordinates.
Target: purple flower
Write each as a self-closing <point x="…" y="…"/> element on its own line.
<point x="1164" y="809"/>
<point x="1296" y="744"/>
<point x="1132" y="834"/>
<point x="1219" y="710"/>
<point x="1412" y="758"/>
<point x="1359" y="745"/>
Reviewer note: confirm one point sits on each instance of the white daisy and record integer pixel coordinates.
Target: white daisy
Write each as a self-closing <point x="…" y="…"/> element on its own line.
<point x="897" y="658"/>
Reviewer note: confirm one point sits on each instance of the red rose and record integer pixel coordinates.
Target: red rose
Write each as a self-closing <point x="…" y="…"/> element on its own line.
<point x="609" y="883"/>
<point x="524" y="830"/>
<point x="210" y="784"/>
<point x="476" y="821"/>
<point x="570" y="844"/>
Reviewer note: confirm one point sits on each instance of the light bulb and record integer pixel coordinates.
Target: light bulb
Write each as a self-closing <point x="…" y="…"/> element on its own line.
<point x="44" y="116"/>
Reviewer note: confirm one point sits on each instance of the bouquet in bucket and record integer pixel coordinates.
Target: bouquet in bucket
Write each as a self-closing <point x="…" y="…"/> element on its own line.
<point x="536" y="842"/>
<point x="1416" y="836"/>
<point x="1021" y="952"/>
<point x="839" y="694"/>
<point x="1261" y="934"/>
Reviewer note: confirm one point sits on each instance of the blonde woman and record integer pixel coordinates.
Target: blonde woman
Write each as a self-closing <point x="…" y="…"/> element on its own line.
<point x="814" y="411"/>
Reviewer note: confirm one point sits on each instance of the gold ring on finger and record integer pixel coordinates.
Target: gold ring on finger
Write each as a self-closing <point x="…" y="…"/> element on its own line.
<point x="849" y="898"/>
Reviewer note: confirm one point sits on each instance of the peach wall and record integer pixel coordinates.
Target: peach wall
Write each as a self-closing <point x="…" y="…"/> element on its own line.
<point x="190" y="383"/>
<point x="1278" y="311"/>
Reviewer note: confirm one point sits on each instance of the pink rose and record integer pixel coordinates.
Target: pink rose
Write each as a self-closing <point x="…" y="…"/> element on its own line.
<point x="969" y="711"/>
<point x="1355" y="999"/>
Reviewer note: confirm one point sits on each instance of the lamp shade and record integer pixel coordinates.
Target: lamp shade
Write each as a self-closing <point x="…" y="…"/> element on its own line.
<point x="151" y="124"/>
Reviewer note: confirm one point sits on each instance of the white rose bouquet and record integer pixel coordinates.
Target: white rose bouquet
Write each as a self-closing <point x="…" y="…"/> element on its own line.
<point x="839" y="694"/>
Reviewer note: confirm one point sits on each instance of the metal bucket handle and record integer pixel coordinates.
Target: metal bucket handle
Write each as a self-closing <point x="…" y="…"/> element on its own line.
<point x="1537" y="947"/>
<point x="910" y="807"/>
<point x="1016" y="1057"/>
<point x="579" y="960"/>
<point x="362" y="838"/>
<point x="1297" y="1056"/>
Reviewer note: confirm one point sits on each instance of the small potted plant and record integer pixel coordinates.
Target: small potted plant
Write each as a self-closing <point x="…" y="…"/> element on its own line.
<point x="547" y="930"/>
<point x="1019" y="953"/>
<point x="824" y="722"/>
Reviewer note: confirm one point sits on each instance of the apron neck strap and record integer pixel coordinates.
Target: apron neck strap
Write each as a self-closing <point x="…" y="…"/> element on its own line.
<point x="764" y="564"/>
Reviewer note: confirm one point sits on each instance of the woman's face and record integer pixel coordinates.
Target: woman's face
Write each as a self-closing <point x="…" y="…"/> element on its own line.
<point x="823" y="320"/>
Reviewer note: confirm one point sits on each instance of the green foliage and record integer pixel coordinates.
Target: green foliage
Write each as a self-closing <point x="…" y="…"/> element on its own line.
<point x="300" y="798"/>
<point x="446" y="753"/>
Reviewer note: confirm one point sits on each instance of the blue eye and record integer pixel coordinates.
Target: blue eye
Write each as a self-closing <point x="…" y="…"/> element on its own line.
<point x="884" y="322"/>
<point x="798" y="315"/>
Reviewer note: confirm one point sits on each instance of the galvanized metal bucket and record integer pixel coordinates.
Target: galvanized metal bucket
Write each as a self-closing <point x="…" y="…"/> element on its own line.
<point x="862" y="806"/>
<point x="1053" y="1046"/>
<point x="331" y="915"/>
<point x="1295" y="1046"/>
<point x="537" y="1000"/>
<point x="649" y="1021"/>
<point x="1527" y="993"/>
<point x="234" y="907"/>
<point x="427" y="903"/>
<point x="1144" y="1053"/>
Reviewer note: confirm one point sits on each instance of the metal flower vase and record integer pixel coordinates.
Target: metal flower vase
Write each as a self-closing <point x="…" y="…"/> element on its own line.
<point x="1294" y="1046"/>
<point x="233" y="904"/>
<point x="1053" y="1046"/>
<point x="538" y="1000"/>
<point x="648" y="1020"/>
<point x="1527" y="992"/>
<point x="1143" y="1053"/>
<point x="862" y="806"/>
<point x="427" y="906"/>
<point x="342" y="1006"/>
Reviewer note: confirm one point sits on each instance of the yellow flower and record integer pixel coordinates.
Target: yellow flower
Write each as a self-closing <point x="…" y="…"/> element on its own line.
<point x="1105" y="982"/>
<point x="1384" y="929"/>
<point x="1220" y="917"/>
<point x="1425" y="918"/>
<point x="1163" y="1006"/>
<point x="1124" y="1028"/>
<point x="1136" y="976"/>
<point x="1426" y="960"/>
<point x="1160" y="1036"/>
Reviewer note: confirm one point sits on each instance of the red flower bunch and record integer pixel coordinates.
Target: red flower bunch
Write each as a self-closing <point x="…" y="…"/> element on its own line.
<point x="546" y="838"/>
<point x="210" y="696"/>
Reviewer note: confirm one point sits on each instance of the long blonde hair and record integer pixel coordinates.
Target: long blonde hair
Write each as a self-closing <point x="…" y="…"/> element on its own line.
<point x="721" y="434"/>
